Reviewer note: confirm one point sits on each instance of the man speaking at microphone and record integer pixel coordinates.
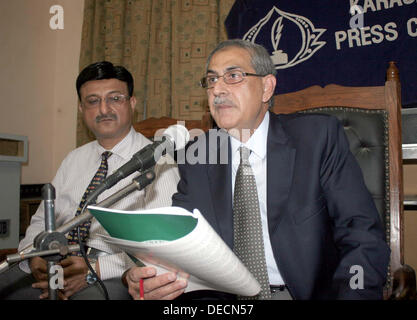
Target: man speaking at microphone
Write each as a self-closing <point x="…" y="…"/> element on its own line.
<point x="107" y="104"/>
<point x="290" y="201"/>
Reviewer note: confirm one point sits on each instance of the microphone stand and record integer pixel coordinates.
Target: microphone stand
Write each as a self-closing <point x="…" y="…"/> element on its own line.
<point x="138" y="183"/>
<point x="52" y="242"/>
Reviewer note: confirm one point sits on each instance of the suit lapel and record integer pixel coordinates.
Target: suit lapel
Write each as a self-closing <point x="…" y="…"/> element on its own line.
<point x="220" y="181"/>
<point x="280" y="166"/>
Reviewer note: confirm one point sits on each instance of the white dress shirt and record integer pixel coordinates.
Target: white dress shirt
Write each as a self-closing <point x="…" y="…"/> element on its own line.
<point x="72" y="179"/>
<point x="257" y="159"/>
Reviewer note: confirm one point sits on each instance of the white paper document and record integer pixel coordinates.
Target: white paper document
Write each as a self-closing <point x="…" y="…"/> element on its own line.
<point x="174" y="239"/>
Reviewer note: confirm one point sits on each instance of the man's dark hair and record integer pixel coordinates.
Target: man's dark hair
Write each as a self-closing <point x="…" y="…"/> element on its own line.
<point x="104" y="70"/>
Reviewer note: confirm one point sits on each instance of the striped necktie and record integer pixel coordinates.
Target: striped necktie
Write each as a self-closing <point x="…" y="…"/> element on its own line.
<point x="248" y="239"/>
<point x="97" y="179"/>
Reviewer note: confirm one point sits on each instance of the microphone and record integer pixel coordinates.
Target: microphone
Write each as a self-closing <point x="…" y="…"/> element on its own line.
<point x="48" y="195"/>
<point x="175" y="137"/>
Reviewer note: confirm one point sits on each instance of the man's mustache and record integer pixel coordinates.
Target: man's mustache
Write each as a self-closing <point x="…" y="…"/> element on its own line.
<point x="222" y="100"/>
<point x="110" y="116"/>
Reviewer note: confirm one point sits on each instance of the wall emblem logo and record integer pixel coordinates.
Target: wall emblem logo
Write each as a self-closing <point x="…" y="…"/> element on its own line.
<point x="304" y="37"/>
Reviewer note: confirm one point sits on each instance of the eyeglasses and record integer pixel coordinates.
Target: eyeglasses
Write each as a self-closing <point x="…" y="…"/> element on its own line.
<point x="229" y="77"/>
<point x="112" y="101"/>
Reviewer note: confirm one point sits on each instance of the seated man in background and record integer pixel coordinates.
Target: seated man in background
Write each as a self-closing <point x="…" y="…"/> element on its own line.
<point x="107" y="105"/>
<point x="291" y="192"/>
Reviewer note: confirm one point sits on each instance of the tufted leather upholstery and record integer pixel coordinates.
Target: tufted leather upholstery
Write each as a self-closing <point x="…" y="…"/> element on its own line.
<point x="367" y="133"/>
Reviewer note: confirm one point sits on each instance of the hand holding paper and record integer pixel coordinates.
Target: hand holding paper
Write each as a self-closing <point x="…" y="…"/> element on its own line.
<point x="174" y="239"/>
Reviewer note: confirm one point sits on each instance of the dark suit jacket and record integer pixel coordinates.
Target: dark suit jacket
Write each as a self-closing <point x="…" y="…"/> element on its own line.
<point x="322" y="220"/>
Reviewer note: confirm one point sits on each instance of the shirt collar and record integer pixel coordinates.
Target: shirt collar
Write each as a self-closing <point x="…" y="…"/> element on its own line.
<point x="257" y="142"/>
<point x="122" y="148"/>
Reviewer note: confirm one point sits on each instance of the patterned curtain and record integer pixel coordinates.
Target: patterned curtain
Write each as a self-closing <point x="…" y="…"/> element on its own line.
<point x="163" y="43"/>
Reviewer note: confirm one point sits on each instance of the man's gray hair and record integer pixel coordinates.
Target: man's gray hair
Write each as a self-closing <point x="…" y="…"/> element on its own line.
<point x="260" y="59"/>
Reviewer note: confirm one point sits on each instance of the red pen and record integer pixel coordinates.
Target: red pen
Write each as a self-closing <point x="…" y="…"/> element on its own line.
<point x="141" y="291"/>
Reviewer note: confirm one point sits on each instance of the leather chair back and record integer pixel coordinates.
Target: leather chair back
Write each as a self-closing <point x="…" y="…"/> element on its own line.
<point x="367" y="134"/>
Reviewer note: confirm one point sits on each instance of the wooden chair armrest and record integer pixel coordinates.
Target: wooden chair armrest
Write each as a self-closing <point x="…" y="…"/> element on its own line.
<point x="404" y="284"/>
